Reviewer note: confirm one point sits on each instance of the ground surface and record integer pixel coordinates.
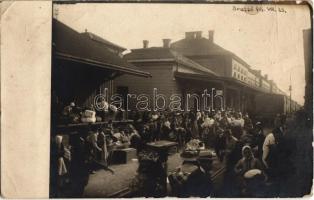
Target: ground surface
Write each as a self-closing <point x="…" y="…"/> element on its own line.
<point x="105" y="184"/>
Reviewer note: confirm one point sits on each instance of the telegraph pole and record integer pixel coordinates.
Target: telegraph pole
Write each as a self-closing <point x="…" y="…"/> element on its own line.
<point x="290" y="90"/>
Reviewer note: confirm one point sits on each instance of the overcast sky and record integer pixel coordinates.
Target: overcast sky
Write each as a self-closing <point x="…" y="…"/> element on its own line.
<point x="269" y="41"/>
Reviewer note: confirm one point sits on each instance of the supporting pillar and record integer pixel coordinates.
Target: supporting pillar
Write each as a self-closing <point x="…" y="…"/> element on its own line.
<point x="224" y="89"/>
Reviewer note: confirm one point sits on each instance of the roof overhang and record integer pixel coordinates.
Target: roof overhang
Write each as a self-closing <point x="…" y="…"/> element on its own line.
<point x="199" y="77"/>
<point x="243" y="85"/>
<point x="67" y="57"/>
<point x="70" y="45"/>
<point x="152" y="60"/>
<point x="208" y="78"/>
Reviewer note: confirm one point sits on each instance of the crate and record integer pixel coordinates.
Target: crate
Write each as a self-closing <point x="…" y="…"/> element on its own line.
<point x="123" y="156"/>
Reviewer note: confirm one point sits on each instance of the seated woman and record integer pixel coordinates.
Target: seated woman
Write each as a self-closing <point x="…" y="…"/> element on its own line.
<point x="247" y="162"/>
<point x="250" y="171"/>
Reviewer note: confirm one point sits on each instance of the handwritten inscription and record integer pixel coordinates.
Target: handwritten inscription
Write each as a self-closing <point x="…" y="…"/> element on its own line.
<point x="252" y="9"/>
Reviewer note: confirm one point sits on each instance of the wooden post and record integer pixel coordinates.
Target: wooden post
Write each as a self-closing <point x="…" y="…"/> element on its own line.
<point x="224" y="95"/>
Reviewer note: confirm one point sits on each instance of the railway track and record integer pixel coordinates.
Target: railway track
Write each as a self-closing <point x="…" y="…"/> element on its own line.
<point x="126" y="192"/>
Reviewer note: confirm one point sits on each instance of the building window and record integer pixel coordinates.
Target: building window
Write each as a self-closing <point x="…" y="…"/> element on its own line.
<point x="234" y="74"/>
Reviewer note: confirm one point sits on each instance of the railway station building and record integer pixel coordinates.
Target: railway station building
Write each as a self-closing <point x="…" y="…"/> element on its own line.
<point x="194" y="64"/>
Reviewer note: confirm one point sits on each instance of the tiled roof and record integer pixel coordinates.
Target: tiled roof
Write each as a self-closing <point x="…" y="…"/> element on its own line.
<point x="161" y="53"/>
<point x="149" y="53"/>
<point x="71" y="45"/>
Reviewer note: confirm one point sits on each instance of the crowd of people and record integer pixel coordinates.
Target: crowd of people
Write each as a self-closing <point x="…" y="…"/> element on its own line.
<point x="251" y="157"/>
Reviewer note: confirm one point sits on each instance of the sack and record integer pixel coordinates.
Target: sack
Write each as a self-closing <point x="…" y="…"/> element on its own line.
<point x="252" y="173"/>
<point x="89" y="114"/>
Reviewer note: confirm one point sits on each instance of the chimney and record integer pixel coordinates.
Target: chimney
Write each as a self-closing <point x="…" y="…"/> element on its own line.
<point x="211" y="36"/>
<point x="189" y="35"/>
<point x="198" y="34"/>
<point x="166" y="43"/>
<point x="145" y="44"/>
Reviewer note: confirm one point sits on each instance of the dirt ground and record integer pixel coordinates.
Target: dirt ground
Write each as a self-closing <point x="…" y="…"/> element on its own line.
<point x="104" y="184"/>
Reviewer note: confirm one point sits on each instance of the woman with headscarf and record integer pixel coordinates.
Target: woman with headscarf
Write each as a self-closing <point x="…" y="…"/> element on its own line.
<point x="247" y="162"/>
<point x="250" y="174"/>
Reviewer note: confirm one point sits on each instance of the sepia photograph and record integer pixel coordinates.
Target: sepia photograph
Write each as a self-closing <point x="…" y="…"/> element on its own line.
<point x="181" y="100"/>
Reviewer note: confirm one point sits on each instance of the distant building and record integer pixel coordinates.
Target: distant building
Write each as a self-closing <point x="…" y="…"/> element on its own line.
<point x="225" y="63"/>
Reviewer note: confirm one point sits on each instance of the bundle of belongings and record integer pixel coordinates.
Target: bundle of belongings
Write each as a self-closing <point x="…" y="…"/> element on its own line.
<point x="88" y="116"/>
<point x="105" y="106"/>
<point x="70" y="114"/>
<point x="190" y="180"/>
<point x="74" y="114"/>
<point x="106" y="110"/>
<point x="150" y="180"/>
<point x="192" y="148"/>
<point x="121" y="139"/>
<point x="195" y="154"/>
